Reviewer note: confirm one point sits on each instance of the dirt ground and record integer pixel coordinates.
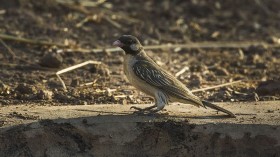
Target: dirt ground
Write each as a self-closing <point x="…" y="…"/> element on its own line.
<point x="28" y="70"/>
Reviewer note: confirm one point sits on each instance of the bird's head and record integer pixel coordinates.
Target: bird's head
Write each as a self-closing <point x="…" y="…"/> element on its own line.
<point x="130" y="44"/>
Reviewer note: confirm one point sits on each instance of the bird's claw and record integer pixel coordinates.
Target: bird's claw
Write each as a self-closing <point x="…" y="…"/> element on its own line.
<point x="136" y="108"/>
<point x="138" y="111"/>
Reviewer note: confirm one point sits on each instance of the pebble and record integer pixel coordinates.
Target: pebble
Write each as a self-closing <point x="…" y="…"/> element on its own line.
<point x="51" y="60"/>
<point x="100" y="69"/>
<point x="270" y="87"/>
<point x="220" y="71"/>
<point x="24" y="88"/>
<point x="195" y="80"/>
<point x="75" y="82"/>
<point x="45" y="94"/>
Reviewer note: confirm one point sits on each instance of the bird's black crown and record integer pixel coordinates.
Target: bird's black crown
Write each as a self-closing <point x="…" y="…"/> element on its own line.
<point x="129" y="43"/>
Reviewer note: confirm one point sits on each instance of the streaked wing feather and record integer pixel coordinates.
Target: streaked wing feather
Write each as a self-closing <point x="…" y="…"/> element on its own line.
<point x="149" y="73"/>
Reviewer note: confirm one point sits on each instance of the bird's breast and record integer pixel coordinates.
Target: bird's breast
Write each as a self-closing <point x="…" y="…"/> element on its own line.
<point x="129" y="61"/>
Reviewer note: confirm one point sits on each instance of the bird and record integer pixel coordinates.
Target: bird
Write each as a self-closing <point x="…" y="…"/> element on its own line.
<point x="147" y="76"/>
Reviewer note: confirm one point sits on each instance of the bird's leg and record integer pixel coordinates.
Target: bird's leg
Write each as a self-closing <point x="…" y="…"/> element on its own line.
<point x="161" y="101"/>
<point x="143" y="109"/>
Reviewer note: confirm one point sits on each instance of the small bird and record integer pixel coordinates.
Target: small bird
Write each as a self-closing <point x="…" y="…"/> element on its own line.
<point x="147" y="76"/>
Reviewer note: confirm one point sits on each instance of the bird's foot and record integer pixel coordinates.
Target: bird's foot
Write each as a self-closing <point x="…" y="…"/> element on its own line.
<point x="145" y="111"/>
<point x="139" y="111"/>
<point x="136" y="108"/>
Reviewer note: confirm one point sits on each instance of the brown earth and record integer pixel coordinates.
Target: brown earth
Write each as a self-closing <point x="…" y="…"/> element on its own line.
<point x="29" y="76"/>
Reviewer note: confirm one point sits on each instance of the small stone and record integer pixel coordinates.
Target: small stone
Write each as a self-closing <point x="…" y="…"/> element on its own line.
<point x="255" y="49"/>
<point x="221" y="71"/>
<point x="24" y="88"/>
<point x="274" y="40"/>
<point x="75" y="82"/>
<point x="51" y="60"/>
<point x="100" y="69"/>
<point x="270" y="87"/>
<point x="61" y="97"/>
<point x="261" y="65"/>
<point x="196" y="67"/>
<point x="45" y="94"/>
<point x="195" y="80"/>
<point x="254" y="59"/>
<point x="211" y="76"/>
<point x="270" y="111"/>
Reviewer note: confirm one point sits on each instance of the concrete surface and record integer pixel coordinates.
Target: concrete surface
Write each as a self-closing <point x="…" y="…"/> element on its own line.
<point x="112" y="130"/>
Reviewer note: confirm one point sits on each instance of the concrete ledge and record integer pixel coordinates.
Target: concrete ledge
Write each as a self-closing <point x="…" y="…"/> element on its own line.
<point x="111" y="130"/>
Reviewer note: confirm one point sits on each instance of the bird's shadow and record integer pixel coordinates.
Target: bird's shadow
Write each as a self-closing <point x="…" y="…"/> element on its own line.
<point x="157" y="115"/>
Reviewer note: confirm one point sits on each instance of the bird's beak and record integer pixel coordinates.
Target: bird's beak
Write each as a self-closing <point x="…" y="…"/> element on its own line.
<point x="118" y="43"/>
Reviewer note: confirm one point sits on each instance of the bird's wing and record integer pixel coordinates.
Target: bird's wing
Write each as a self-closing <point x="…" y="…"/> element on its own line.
<point x="154" y="75"/>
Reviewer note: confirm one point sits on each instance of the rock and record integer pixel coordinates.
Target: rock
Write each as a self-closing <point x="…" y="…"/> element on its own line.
<point x="45" y="94"/>
<point x="100" y="69"/>
<point x="259" y="49"/>
<point x="274" y="40"/>
<point x="246" y="96"/>
<point x="195" y="80"/>
<point x="75" y="82"/>
<point x="210" y="76"/>
<point x="24" y="88"/>
<point x="62" y="97"/>
<point x="270" y="87"/>
<point x="196" y="67"/>
<point x="254" y="59"/>
<point x="220" y="71"/>
<point x="261" y="65"/>
<point x="51" y="60"/>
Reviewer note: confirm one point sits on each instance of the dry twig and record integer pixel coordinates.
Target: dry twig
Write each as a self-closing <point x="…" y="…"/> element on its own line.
<point x="188" y="46"/>
<point x="217" y="86"/>
<point x="29" y="67"/>
<point x="82" y="3"/>
<point x="73" y="68"/>
<point x="263" y="7"/>
<point x="30" y="41"/>
<point x="82" y="9"/>
<point x="14" y="55"/>
<point x="182" y="71"/>
<point x="149" y="47"/>
<point x="114" y="23"/>
<point x="8" y="48"/>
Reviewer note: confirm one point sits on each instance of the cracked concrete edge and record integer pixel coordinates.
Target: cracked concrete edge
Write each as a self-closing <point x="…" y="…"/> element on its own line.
<point x="247" y="113"/>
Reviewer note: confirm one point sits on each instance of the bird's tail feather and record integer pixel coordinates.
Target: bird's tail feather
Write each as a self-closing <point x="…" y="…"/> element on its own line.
<point x="215" y="107"/>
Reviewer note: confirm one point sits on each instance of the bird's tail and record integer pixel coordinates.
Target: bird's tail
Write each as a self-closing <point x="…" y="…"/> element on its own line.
<point x="215" y="107"/>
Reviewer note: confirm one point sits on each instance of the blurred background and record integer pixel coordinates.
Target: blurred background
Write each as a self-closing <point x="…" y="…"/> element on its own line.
<point x="38" y="38"/>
